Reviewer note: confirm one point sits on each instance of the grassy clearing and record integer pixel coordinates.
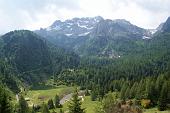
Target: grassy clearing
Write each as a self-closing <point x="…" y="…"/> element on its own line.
<point x="89" y="105"/>
<point x="39" y="96"/>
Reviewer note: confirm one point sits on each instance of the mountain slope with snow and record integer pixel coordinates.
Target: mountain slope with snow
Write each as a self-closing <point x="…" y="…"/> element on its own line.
<point x="95" y="35"/>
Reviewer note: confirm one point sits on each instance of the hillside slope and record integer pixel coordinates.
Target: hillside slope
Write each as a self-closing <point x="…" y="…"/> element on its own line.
<point x="33" y="59"/>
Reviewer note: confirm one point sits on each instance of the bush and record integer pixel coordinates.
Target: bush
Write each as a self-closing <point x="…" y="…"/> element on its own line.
<point x="145" y="103"/>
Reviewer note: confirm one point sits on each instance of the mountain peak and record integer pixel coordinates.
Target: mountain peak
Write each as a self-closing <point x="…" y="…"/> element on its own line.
<point x="98" y="18"/>
<point x="76" y="19"/>
<point x="166" y="26"/>
<point x="75" y="27"/>
<point x="56" y="23"/>
<point x="118" y="28"/>
<point x="122" y="21"/>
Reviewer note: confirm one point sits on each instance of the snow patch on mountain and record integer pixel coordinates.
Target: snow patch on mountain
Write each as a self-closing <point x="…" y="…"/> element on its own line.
<point x="85" y="26"/>
<point x="152" y="31"/>
<point x="70" y="24"/>
<point x="146" y="37"/>
<point x="68" y="34"/>
<point x="48" y="29"/>
<point x="84" y="34"/>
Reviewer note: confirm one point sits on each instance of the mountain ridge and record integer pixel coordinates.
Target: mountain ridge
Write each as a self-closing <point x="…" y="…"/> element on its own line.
<point x="82" y="25"/>
<point x="83" y="35"/>
<point x="31" y="58"/>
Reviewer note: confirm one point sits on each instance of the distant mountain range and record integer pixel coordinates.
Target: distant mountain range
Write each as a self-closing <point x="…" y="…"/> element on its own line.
<point x="78" y="27"/>
<point x="96" y="36"/>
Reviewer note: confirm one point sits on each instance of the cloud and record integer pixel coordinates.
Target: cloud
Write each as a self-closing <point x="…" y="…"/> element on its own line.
<point x="144" y="13"/>
<point x="154" y="5"/>
<point x="33" y="14"/>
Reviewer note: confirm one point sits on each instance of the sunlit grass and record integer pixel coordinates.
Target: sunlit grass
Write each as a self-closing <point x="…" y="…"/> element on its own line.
<point x="39" y="96"/>
<point x="89" y="105"/>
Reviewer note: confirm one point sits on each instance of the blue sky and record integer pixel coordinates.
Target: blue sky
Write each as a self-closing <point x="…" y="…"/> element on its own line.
<point x="34" y="14"/>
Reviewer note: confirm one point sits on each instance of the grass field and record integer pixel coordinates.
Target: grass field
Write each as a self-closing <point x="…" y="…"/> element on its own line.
<point x="89" y="105"/>
<point x="39" y="96"/>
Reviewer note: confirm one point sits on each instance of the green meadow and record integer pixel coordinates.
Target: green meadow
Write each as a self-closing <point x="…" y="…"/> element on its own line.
<point x="43" y="95"/>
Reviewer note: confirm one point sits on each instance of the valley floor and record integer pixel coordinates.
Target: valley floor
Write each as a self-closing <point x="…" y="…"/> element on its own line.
<point x="40" y="96"/>
<point x="43" y="95"/>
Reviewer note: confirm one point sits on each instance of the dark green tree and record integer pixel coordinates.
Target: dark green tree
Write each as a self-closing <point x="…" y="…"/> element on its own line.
<point x="5" y="106"/>
<point x="123" y="91"/>
<point x="109" y="103"/>
<point x="75" y="104"/>
<point x="23" y="105"/>
<point x="127" y="93"/>
<point x="95" y="92"/>
<point x="140" y="93"/>
<point x="162" y="102"/>
<point x="158" y="85"/>
<point x="133" y="91"/>
<point x="94" y="95"/>
<point x="150" y="91"/>
<point x="44" y="108"/>
<point x="50" y="104"/>
<point x="61" y="111"/>
<point x="87" y="92"/>
<point x="57" y="101"/>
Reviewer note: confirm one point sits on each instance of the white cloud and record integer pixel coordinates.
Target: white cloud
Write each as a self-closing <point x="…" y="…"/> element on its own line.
<point x="33" y="14"/>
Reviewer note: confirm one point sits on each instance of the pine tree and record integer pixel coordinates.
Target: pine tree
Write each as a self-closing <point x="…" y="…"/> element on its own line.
<point x="93" y="95"/>
<point x="140" y="93"/>
<point x="162" y="102"/>
<point x="5" y="106"/>
<point x="75" y="104"/>
<point x="109" y="103"/>
<point x="23" y="105"/>
<point x="94" y="92"/>
<point x="50" y="104"/>
<point x="61" y="111"/>
<point x="45" y="108"/>
<point x="123" y="91"/>
<point x="57" y="101"/>
<point x="150" y="90"/>
<point x="87" y="92"/>
<point x="159" y="82"/>
<point x="127" y="93"/>
<point x="133" y="90"/>
<point x="168" y="94"/>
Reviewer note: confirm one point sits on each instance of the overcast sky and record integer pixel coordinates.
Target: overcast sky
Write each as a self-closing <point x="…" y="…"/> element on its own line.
<point x="33" y="14"/>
